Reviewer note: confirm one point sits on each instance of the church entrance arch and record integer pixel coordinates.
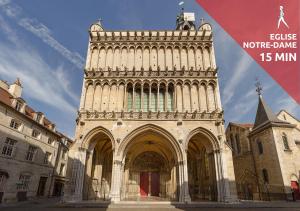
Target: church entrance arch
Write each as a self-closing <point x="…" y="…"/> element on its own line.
<point x="150" y="170"/>
<point x="202" y="182"/>
<point x="98" y="171"/>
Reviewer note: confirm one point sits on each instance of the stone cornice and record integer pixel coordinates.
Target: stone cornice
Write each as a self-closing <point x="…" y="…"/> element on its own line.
<point x="202" y="35"/>
<point x="100" y="73"/>
<point x="269" y="125"/>
<point x="150" y="115"/>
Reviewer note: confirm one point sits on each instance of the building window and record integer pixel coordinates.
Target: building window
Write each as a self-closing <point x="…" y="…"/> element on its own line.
<point x="129" y="98"/>
<point x="62" y="169"/>
<point x="285" y="142"/>
<point x="30" y="153"/>
<point x="153" y="105"/>
<point x="170" y="104"/>
<point x="47" y="158"/>
<point x="8" y="147"/>
<point x="35" y="133"/>
<point x="64" y="153"/>
<point x="238" y="143"/>
<point x="265" y="175"/>
<point x="138" y="99"/>
<point x="18" y="106"/>
<point x="260" y="147"/>
<point x="50" y="141"/>
<point x="24" y="181"/>
<point x="161" y="96"/>
<point x="38" y="117"/>
<point x="15" y="124"/>
<point x="146" y="98"/>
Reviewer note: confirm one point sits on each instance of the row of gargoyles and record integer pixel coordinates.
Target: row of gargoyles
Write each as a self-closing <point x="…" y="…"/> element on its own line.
<point x="142" y="71"/>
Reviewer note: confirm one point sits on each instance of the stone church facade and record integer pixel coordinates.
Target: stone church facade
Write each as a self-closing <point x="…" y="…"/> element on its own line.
<point x="266" y="155"/>
<point x="150" y="122"/>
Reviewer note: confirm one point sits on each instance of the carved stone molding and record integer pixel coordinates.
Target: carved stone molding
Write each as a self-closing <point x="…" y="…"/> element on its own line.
<point x="151" y="115"/>
<point x="100" y="73"/>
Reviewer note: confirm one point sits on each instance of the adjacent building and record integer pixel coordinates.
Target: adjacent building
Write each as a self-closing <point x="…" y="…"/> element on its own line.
<point x="150" y="121"/>
<point x="266" y="155"/>
<point x="33" y="154"/>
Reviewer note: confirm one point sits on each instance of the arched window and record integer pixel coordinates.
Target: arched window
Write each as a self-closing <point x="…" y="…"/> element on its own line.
<point x="170" y="103"/>
<point x="260" y="147"/>
<point x="153" y="106"/>
<point x="162" y="92"/>
<point x="285" y="142"/>
<point x="265" y="175"/>
<point x="146" y="97"/>
<point x="137" y="99"/>
<point x="129" y="98"/>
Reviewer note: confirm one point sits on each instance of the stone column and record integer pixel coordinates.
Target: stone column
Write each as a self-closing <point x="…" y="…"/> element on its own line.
<point x="125" y="105"/>
<point x="116" y="181"/>
<point x="166" y="98"/>
<point x="77" y="175"/>
<point x="142" y="97"/>
<point x="185" y="185"/>
<point x="150" y="85"/>
<point x="226" y="194"/>
<point x="88" y="178"/>
<point x="157" y="101"/>
<point x="133" y="97"/>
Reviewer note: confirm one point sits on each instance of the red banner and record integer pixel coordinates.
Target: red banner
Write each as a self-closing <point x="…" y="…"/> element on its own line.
<point x="268" y="30"/>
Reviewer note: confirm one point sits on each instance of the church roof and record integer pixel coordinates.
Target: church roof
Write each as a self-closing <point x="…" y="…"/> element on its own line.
<point x="265" y="115"/>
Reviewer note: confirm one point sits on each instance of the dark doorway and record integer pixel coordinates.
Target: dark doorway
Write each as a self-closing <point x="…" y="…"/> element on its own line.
<point x="155" y="184"/>
<point x="58" y="188"/>
<point x="144" y="183"/>
<point x="42" y="186"/>
<point x="1" y="196"/>
<point x="22" y="196"/>
<point x="295" y="188"/>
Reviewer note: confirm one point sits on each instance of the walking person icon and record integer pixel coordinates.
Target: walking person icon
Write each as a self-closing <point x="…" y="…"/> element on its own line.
<point x="281" y="18"/>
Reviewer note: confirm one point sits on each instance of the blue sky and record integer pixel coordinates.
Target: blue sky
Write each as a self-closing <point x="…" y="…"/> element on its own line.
<point x="45" y="43"/>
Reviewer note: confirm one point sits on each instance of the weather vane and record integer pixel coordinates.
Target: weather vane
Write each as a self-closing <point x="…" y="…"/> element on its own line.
<point x="258" y="87"/>
<point x="181" y="4"/>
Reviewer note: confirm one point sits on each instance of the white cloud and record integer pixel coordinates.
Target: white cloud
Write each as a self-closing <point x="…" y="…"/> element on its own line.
<point x="5" y="28"/>
<point x="40" y="30"/>
<point x="38" y="78"/>
<point x="40" y="81"/>
<point x="238" y="74"/>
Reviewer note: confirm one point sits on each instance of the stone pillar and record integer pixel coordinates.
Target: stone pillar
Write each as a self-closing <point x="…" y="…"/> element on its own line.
<point x="185" y="185"/>
<point x="125" y="104"/>
<point x="88" y="178"/>
<point x="150" y="85"/>
<point x="77" y="176"/>
<point x="116" y="181"/>
<point x="157" y="101"/>
<point x="133" y="97"/>
<point x="166" y="98"/>
<point x="227" y="194"/>
<point x="142" y="97"/>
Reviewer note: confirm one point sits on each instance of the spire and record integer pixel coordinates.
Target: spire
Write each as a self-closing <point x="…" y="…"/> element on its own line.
<point x="264" y="114"/>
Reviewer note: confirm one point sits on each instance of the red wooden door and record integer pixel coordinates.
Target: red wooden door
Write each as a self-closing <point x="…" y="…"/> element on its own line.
<point x="144" y="183"/>
<point x="155" y="184"/>
<point x="295" y="187"/>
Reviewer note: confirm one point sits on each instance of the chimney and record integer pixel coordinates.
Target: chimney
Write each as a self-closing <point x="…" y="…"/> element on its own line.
<point x="15" y="89"/>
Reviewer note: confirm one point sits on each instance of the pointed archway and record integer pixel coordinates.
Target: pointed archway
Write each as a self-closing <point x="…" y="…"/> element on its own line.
<point x="202" y="178"/>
